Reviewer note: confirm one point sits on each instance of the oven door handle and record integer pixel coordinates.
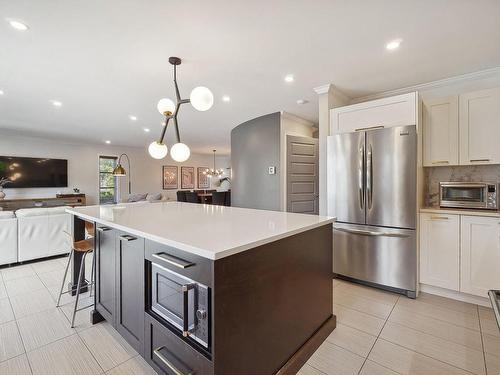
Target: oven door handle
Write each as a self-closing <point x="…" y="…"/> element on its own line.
<point x="169" y="363"/>
<point x="185" y="316"/>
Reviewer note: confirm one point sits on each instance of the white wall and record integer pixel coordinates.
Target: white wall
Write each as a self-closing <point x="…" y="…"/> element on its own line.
<point x="83" y="165"/>
<point x="290" y="125"/>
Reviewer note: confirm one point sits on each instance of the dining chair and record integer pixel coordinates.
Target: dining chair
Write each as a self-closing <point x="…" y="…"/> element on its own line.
<point x="219" y="198"/>
<point x="181" y="196"/>
<point x="228" y="198"/>
<point x="192" y="197"/>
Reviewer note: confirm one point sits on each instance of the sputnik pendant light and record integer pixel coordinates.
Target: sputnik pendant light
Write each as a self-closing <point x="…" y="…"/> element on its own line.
<point x="213" y="172"/>
<point x="201" y="99"/>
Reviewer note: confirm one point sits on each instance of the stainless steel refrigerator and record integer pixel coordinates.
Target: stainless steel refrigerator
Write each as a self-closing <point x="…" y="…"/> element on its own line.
<point x="372" y="192"/>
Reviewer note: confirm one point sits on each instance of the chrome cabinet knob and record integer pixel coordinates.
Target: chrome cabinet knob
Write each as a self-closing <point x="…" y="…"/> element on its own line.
<point x="201" y="314"/>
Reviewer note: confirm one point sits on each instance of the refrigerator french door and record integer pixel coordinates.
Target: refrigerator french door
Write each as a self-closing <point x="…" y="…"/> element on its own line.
<point x="373" y="196"/>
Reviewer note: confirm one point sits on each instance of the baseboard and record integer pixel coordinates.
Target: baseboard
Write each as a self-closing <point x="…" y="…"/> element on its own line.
<point x="464" y="297"/>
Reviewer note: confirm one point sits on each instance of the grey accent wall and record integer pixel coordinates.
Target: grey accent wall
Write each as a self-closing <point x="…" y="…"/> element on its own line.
<point x="255" y="146"/>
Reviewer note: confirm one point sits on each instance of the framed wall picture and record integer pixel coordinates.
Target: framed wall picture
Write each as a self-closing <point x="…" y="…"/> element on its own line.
<point x="203" y="180"/>
<point x="170" y="177"/>
<point x="187" y="177"/>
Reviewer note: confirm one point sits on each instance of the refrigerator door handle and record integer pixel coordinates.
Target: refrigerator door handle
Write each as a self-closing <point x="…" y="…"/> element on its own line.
<point x="361" y="172"/>
<point x="371" y="233"/>
<point x="369" y="176"/>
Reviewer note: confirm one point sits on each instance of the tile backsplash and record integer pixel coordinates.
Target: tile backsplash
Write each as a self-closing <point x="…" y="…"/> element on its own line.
<point x="434" y="175"/>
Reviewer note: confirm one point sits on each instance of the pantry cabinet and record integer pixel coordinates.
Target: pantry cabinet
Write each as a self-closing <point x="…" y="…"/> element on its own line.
<point x="440" y="250"/>
<point x="440" y="129"/>
<point x="480" y="255"/>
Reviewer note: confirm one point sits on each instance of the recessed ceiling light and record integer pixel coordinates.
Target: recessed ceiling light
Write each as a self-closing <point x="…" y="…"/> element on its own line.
<point x="107" y="142"/>
<point x="1" y="92"/>
<point x="146" y="130"/>
<point x="132" y="117"/>
<point x="226" y="99"/>
<point x="302" y="101"/>
<point x="393" y="44"/>
<point x="56" y="103"/>
<point x="18" y="25"/>
<point x="289" y="78"/>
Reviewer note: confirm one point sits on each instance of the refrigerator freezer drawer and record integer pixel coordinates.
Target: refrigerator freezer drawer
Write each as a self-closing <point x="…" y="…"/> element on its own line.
<point x="383" y="256"/>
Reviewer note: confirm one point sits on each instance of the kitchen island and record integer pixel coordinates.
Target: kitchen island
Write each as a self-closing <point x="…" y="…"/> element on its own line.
<point x="203" y="289"/>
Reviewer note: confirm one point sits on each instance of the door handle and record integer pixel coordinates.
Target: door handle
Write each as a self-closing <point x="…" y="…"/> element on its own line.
<point x="479" y="160"/>
<point x="371" y="233"/>
<point x="169" y="364"/>
<point x="103" y="229"/>
<point x="439" y="218"/>
<point x="127" y="237"/>
<point x="369" y="176"/>
<point x="361" y="175"/>
<point x="185" y="318"/>
<point x="441" y="162"/>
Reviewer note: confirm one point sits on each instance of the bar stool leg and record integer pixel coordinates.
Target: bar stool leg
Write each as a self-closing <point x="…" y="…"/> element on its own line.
<point x="92" y="274"/>
<point x="64" y="278"/>
<point x="80" y="279"/>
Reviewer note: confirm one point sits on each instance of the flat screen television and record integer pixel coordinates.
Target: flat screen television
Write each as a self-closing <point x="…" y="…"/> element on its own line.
<point x="34" y="172"/>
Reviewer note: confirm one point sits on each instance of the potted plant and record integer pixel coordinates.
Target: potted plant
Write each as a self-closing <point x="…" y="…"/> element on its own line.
<point x="3" y="181"/>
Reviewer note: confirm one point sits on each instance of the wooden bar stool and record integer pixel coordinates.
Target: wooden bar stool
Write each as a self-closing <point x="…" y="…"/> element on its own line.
<point x="84" y="246"/>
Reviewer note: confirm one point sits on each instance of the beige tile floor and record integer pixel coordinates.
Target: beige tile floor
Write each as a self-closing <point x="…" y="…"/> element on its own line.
<point x="378" y="333"/>
<point x="381" y="333"/>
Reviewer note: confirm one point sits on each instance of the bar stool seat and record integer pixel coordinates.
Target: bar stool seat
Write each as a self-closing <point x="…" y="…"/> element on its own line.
<point x="84" y="247"/>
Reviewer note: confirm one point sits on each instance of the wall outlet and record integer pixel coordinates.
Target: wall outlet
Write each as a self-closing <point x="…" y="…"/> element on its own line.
<point x="272" y="170"/>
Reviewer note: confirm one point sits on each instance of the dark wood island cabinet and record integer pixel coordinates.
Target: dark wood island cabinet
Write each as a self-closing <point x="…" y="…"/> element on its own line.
<point x="261" y="308"/>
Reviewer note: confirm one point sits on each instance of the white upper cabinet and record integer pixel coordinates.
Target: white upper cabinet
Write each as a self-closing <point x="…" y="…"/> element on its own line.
<point x="387" y="112"/>
<point x="480" y="255"/>
<point x="480" y="127"/>
<point x="440" y="250"/>
<point x="441" y="131"/>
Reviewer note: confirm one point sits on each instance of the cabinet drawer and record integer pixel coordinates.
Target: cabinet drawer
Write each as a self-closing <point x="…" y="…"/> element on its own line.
<point x="168" y="354"/>
<point x="189" y="265"/>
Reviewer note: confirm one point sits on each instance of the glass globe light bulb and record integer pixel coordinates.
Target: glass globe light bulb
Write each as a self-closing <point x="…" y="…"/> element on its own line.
<point x="180" y="152"/>
<point x="157" y="150"/>
<point x="201" y="98"/>
<point x="166" y="105"/>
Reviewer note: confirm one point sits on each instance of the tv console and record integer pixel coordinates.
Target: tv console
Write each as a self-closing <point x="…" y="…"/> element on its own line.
<point x="72" y="200"/>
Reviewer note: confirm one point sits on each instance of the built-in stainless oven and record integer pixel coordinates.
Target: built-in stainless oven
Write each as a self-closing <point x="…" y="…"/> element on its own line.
<point x="181" y="301"/>
<point x="482" y="195"/>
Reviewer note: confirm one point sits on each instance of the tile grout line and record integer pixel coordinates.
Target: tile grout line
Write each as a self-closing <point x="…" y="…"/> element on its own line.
<point x="90" y="351"/>
<point x="378" y="336"/>
<point x="364" y="312"/>
<point x="482" y="341"/>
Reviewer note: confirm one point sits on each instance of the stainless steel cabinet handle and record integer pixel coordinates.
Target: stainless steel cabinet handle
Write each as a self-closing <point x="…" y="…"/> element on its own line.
<point x="494" y="303"/>
<point x="185" y="318"/>
<point x="103" y="229"/>
<point x="371" y="233"/>
<point x="479" y="160"/>
<point x="127" y="237"/>
<point x="441" y="162"/>
<point x="369" y="128"/>
<point x="169" y="364"/>
<point x="439" y="218"/>
<point x="174" y="261"/>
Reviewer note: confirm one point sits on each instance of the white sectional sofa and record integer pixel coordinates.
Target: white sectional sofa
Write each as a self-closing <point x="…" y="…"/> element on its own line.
<point x="40" y="232"/>
<point x="8" y="237"/>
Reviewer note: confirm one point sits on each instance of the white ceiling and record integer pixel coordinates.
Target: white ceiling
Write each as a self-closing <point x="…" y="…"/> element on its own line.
<point x="106" y="60"/>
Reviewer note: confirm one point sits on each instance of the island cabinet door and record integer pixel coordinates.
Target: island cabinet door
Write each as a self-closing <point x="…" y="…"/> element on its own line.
<point x="130" y="289"/>
<point x="105" y="275"/>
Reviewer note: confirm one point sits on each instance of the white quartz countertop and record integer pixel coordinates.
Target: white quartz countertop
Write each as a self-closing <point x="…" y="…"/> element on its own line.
<point x="461" y="211"/>
<point x="209" y="231"/>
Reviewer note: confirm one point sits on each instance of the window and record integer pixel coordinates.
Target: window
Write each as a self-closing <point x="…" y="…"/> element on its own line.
<point x="108" y="188"/>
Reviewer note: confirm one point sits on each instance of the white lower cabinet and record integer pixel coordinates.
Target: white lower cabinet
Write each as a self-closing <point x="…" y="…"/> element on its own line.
<point x="480" y="255"/>
<point x="440" y="250"/>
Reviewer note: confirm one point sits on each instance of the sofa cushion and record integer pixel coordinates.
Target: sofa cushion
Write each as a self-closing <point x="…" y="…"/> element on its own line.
<point x="137" y="197"/>
<point x="56" y="210"/>
<point x="25" y="212"/>
<point x="155" y="197"/>
<point x="7" y="215"/>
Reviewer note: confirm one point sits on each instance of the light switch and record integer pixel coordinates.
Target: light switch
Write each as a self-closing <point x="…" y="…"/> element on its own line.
<point x="272" y="170"/>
